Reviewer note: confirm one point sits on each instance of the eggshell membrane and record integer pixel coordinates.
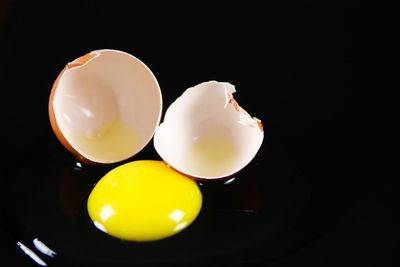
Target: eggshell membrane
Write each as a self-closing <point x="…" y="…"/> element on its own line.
<point x="208" y="119"/>
<point x="102" y="90"/>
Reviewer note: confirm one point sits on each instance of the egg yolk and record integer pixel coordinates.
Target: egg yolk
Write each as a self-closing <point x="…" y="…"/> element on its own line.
<point x="144" y="200"/>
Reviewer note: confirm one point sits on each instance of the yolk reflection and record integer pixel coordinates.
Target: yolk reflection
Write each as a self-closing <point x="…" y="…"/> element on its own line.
<point x="143" y="201"/>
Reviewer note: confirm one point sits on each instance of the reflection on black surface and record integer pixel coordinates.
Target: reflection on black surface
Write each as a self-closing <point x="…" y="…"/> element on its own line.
<point x="236" y="216"/>
<point x="234" y="195"/>
<point x="31" y="254"/>
<point x="39" y="245"/>
<point x="75" y="184"/>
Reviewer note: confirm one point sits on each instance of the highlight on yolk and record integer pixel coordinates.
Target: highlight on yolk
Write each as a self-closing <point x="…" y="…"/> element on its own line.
<point x="144" y="200"/>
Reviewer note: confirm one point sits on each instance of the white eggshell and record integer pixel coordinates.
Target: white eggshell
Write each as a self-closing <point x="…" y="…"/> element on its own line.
<point x="206" y="134"/>
<point x="105" y="106"/>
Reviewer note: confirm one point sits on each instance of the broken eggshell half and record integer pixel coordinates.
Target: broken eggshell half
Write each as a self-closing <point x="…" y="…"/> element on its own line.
<point x="206" y="135"/>
<point x="104" y="107"/>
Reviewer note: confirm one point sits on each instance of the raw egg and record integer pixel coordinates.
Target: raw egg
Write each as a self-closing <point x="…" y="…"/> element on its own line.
<point x="144" y="200"/>
<point x="104" y="106"/>
<point x="206" y="134"/>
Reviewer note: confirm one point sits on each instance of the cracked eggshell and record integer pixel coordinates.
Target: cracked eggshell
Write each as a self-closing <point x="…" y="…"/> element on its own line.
<point x="105" y="106"/>
<point x="206" y="134"/>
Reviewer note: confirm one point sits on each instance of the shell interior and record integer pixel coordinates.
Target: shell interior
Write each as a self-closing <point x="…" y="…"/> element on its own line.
<point x="206" y="134"/>
<point x="108" y="106"/>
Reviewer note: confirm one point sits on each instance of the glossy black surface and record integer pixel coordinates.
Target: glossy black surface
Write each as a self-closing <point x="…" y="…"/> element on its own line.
<point x="49" y="203"/>
<point x="296" y="65"/>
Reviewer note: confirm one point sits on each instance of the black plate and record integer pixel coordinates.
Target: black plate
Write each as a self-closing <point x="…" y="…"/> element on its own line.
<point x="294" y="66"/>
<point x="48" y="202"/>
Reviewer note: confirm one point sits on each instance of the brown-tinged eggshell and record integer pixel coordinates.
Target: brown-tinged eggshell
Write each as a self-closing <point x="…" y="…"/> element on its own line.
<point x="104" y="106"/>
<point x="206" y="135"/>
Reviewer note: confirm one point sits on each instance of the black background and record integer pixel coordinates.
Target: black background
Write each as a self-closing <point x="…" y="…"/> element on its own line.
<point x="298" y="66"/>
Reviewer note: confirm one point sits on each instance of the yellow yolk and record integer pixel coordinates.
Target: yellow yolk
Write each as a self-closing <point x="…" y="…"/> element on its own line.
<point x="144" y="200"/>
